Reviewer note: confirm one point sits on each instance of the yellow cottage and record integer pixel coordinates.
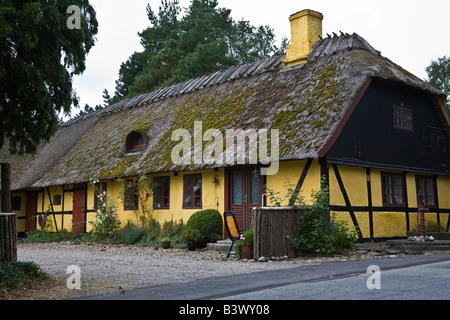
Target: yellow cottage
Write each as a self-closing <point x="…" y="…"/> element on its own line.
<point x="331" y="107"/>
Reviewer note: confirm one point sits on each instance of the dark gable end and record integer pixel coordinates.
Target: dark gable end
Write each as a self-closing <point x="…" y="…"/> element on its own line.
<point x="307" y="103"/>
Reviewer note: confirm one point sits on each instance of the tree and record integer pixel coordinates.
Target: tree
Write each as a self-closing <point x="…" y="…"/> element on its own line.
<point x="439" y="75"/>
<point x="39" y="54"/>
<point x="204" y="40"/>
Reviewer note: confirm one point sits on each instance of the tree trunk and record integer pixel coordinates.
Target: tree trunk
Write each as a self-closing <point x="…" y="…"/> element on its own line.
<point x="8" y="237"/>
<point x="6" y="187"/>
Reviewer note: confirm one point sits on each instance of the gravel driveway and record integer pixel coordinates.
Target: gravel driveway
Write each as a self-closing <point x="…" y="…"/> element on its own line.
<point x="107" y="269"/>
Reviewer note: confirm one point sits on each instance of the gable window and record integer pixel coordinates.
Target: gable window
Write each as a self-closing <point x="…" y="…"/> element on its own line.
<point x="426" y="190"/>
<point x="403" y="118"/>
<point x="161" y="194"/>
<point x="131" y="201"/>
<point x="392" y="189"/>
<point x="135" y="142"/>
<point x="192" y="191"/>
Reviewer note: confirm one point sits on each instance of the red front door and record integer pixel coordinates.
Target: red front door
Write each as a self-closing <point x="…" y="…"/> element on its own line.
<point x="245" y="186"/>
<point x="79" y="211"/>
<point x="31" y="211"/>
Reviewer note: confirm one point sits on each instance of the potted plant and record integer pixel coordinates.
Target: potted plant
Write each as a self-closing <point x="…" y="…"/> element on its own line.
<point x="245" y="246"/>
<point x="165" y="243"/>
<point x="191" y="236"/>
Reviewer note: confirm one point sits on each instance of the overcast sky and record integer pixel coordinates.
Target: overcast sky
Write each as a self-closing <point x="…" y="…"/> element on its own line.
<point x="410" y="33"/>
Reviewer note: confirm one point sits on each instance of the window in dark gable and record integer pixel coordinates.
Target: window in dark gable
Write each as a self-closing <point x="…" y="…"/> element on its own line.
<point x="403" y="118"/>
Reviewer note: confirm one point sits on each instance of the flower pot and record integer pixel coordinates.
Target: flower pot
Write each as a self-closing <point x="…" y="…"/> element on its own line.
<point x="165" y="244"/>
<point x="246" y="252"/>
<point x="191" y="246"/>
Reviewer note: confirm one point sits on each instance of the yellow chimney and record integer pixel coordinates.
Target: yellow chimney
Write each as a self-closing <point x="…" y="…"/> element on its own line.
<point x="306" y="27"/>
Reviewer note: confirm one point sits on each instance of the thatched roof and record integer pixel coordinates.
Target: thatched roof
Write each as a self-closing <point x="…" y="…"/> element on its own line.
<point x="305" y="102"/>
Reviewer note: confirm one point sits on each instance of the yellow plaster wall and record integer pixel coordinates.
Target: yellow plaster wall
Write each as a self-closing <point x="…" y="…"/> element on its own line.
<point x="212" y="198"/>
<point x="289" y="173"/>
<point x="63" y="222"/>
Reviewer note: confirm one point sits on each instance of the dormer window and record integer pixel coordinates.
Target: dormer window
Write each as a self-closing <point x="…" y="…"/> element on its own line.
<point x="135" y="142"/>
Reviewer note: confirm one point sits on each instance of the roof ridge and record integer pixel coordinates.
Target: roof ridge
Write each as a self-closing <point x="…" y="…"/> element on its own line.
<point x="334" y="44"/>
<point x="242" y="70"/>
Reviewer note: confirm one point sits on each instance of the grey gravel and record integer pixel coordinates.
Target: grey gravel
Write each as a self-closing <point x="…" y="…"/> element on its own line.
<point x="108" y="268"/>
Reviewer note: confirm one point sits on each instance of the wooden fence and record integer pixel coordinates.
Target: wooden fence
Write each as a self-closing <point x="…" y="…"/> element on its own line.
<point x="274" y="229"/>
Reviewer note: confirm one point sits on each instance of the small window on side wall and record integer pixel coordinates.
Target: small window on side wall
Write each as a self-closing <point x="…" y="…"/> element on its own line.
<point x="135" y="142"/>
<point x="426" y="190"/>
<point x="403" y="118"/>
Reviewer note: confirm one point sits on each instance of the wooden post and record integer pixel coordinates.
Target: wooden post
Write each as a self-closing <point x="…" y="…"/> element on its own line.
<point x="8" y="237"/>
<point x="6" y="187"/>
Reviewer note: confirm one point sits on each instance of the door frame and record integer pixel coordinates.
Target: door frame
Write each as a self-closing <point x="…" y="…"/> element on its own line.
<point x="245" y="221"/>
<point x="79" y="217"/>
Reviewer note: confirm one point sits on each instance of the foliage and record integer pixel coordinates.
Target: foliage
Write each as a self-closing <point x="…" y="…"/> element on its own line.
<point x="151" y="235"/>
<point x="140" y="188"/>
<point x="106" y="221"/>
<point x="430" y="226"/>
<point x="320" y="233"/>
<point x="208" y="222"/>
<point x="39" y="56"/>
<point x="15" y="274"/>
<point x="204" y="40"/>
<point x="246" y="240"/>
<point x="36" y="236"/>
<point x="190" y="234"/>
<point x="439" y="75"/>
<point x="165" y="239"/>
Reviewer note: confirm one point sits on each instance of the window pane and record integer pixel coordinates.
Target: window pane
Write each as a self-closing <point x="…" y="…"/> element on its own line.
<point x="166" y="187"/>
<point x="237" y="187"/>
<point x="197" y="191"/>
<point x="187" y="186"/>
<point x="197" y="202"/>
<point x="255" y="190"/>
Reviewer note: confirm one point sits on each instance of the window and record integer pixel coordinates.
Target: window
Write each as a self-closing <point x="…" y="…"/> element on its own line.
<point x="162" y="193"/>
<point x="131" y="198"/>
<point x="392" y="189"/>
<point x="16" y="203"/>
<point x="135" y="142"/>
<point x="192" y="191"/>
<point x="57" y="200"/>
<point x="403" y="118"/>
<point x="426" y="190"/>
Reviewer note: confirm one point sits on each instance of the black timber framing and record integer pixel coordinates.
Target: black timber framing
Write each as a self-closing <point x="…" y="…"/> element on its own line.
<point x="348" y="205"/>
<point x="51" y="205"/>
<point x="301" y="181"/>
<point x="369" y="202"/>
<point x="405" y="194"/>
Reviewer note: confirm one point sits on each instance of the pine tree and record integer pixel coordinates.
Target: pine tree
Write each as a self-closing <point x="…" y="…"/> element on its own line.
<point x="39" y="54"/>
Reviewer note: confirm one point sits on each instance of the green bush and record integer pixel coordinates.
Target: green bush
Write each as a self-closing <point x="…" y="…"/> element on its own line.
<point x="37" y="236"/>
<point x="15" y="274"/>
<point x="320" y="233"/>
<point x="208" y="222"/>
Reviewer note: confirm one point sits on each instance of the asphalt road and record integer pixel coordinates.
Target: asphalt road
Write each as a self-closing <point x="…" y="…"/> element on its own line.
<point x="403" y="278"/>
